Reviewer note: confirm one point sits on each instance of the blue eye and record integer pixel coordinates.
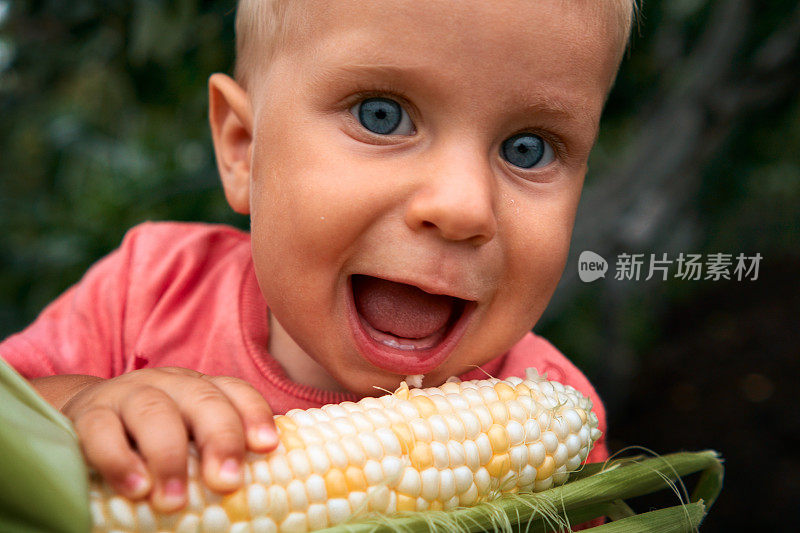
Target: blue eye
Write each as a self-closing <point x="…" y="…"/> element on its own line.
<point x="526" y="150"/>
<point x="383" y="116"/>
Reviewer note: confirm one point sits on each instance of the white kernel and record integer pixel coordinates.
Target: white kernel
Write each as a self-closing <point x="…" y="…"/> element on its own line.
<point x="294" y="523"/>
<point x="518" y="456"/>
<point x="455" y="450"/>
<point x="422" y="504"/>
<point x="344" y="426"/>
<point x="261" y="472"/>
<point x="484" y="448"/>
<point x="328" y="431"/>
<point x="532" y="431"/>
<point x="361" y="422"/>
<point x="334" y="410"/>
<point x="441" y="459"/>
<point x="573" y="420"/>
<point x="526" y="477"/>
<point x="370" y="402"/>
<point x="257" y="500"/>
<point x="484" y="416"/>
<point x="190" y="523"/>
<point x="447" y="484"/>
<point x="516" y="432"/>
<point x="240" y="527"/>
<point x="371" y="445"/>
<point x="450" y="504"/>
<point x="560" y="476"/>
<point x="488" y="394"/>
<point x="392" y="469"/>
<point x="278" y="502"/>
<point x="338" y="510"/>
<point x="439" y="428"/>
<point x="309" y="435"/>
<point x="378" y="499"/>
<point x="596" y="434"/>
<point x="463" y="478"/>
<point x="573" y="463"/>
<point x="355" y="453"/>
<point x="320" y="463"/>
<point x="407" y="409"/>
<point x="373" y="472"/>
<point x="473" y="397"/>
<point x="378" y="419"/>
<point x="450" y="387"/>
<point x="516" y="411"/>
<point x="536" y="454"/>
<point x="472" y="425"/>
<point x="573" y="445"/>
<point x="560" y="428"/>
<point x="279" y="469"/>
<point x="470" y="496"/>
<point x="482" y="481"/>
<point x="410" y="483"/>
<point x="98" y="515"/>
<point x="215" y="520"/>
<point x="296" y="492"/>
<point x="299" y="463"/>
<point x="441" y="403"/>
<point x="318" y="414"/>
<point x="560" y="456"/>
<point x="121" y="513"/>
<point x="472" y="455"/>
<point x="457" y="402"/>
<point x="336" y="454"/>
<point x="421" y="430"/>
<point x="317" y="516"/>
<point x="264" y="524"/>
<point x="301" y="417"/>
<point x="430" y="484"/>
<point x="350" y="407"/>
<point x="455" y="428"/>
<point x="145" y="518"/>
<point x="543" y="484"/>
<point x="358" y="502"/>
<point x="315" y="488"/>
<point x="550" y="441"/>
<point x="388" y="439"/>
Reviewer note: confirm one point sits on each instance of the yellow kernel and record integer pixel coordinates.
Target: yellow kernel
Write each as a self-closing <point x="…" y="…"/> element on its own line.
<point x="499" y="465"/>
<point x="547" y="468"/>
<point x="425" y="406"/>
<point x="499" y="412"/>
<point x="505" y="391"/>
<point x="523" y="390"/>
<point x="402" y="392"/>
<point x="336" y="484"/>
<point x="235" y="506"/>
<point x="436" y="505"/>
<point x="498" y="438"/>
<point x="421" y="456"/>
<point x="292" y="441"/>
<point x="284" y="423"/>
<point x="405" y="436"/>
<point x="406" y="503"/>
<point x="356" y="482"/>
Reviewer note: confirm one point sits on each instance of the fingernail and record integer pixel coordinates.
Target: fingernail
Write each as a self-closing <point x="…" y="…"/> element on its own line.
<point x="173" y="491"/>
<point x="135" y="483"/>
<point x="229" y="471"/>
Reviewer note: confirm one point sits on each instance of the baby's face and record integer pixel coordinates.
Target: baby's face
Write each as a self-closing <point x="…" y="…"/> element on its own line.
<point x="403" y="146"/>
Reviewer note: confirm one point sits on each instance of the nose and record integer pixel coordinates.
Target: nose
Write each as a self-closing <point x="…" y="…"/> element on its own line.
<point x="456" y="198"/>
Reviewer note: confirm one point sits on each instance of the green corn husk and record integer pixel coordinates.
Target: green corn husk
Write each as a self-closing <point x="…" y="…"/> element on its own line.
<point x="43" y="479"/>
<point x="598" y="490"/>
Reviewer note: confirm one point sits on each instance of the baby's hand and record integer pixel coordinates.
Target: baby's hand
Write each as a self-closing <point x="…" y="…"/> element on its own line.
<point x="135" y="428"/>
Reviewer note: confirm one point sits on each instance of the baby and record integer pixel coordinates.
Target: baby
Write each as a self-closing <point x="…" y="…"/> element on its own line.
<point x="411" y="171"/>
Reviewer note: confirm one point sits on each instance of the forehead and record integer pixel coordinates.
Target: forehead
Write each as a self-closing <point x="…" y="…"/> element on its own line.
<point x="550" y="49"/>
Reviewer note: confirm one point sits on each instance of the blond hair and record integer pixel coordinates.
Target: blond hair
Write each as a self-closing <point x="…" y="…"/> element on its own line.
<point x="262" y="26"/>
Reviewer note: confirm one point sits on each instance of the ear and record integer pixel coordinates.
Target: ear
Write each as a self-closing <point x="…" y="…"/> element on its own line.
<point x="231" y="118"/>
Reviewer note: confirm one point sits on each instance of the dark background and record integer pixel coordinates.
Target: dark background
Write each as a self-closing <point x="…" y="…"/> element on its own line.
<point x="103" y="115"/>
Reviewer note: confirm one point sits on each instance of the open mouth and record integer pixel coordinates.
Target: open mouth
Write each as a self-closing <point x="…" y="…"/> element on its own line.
<point x="403" y="329"/>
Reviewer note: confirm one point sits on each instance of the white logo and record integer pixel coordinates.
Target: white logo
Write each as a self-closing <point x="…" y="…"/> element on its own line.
<point x="591" y="266"/>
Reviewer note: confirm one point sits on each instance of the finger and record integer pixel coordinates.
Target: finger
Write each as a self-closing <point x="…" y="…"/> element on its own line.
<point x="217" y="430"/>
<point x="156" y="425"/>
<point x="107" y="450"/>
<point x="255" y="412"/>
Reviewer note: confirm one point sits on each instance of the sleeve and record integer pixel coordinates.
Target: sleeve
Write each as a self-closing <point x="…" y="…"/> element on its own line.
<point x="81" y="332"/>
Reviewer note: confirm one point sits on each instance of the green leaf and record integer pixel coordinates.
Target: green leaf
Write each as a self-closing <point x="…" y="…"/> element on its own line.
<point x="43" y="479"/>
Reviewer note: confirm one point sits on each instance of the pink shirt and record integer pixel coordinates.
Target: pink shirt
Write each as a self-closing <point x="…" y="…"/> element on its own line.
<point x="186" y="295"/>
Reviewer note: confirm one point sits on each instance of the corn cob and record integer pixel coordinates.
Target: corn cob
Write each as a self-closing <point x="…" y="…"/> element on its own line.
<point x="438" y="448"/>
